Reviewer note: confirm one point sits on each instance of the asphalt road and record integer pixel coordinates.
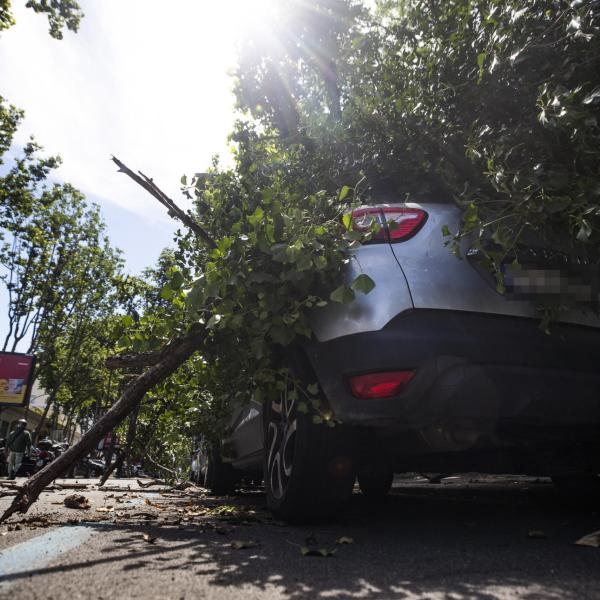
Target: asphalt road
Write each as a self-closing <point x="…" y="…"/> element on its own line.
<point x="469" y="537"/>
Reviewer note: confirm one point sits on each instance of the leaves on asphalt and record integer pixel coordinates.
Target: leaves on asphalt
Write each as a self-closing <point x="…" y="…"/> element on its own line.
<point x="344" y="540"/>
<point x="536" y="534"/>
<point x="322" y="552"/>
<point x="591" y="540"/>
<point x="148" y="538"/>
<point x="105" y="509"/>
<point x="77" y="501"/>
<point x="154" y="504"/>
<point x="243" y="544"/>
<point x="312" y="549"/>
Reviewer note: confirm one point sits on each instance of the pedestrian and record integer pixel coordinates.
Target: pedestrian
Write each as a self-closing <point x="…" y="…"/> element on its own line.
<point x="18" y="444"/>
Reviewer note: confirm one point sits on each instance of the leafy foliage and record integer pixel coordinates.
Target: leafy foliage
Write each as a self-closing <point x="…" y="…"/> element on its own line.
<point x="492" y="105"/>
<point x="60" y="13"/>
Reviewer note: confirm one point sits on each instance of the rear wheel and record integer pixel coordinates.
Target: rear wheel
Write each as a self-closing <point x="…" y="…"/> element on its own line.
<point x="220" y="477"/>
<point x="308" y="467"/>
<point x="375" y="482"/>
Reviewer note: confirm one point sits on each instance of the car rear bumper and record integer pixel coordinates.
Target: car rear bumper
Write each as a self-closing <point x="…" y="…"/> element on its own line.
<point x="470" y="367"/>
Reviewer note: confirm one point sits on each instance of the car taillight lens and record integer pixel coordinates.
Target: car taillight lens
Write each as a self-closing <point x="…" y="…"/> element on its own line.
<point x="395" y="224"/>
<point x="403" y="223"/>
<point x="380" y="385"/>
<point x="363" y="220"/>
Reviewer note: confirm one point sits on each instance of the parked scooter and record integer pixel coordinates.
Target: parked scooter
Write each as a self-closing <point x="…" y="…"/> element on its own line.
<point x="43" y="454"/>
<point x="90" y="467"/>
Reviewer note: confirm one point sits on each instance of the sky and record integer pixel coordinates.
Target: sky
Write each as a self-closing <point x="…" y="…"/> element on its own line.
<point x="145" y="80"/>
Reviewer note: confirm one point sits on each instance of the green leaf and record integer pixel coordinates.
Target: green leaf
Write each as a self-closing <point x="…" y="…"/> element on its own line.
<point x="177" y="280"/>
<point x="256" y="217"/>
<point x="342" y="294"/>
<point x="166" y="293"/>
<point x="196" y="295"/>
<point x="445" y="231"/>
<point x="321" y="552"/>
<point x="344" y="192"/>
<point x="363" y="283"/>
<point x="127" y="320"/>
<point x="304" y="262"/>
<point x="347" y="220"/>
<point x="480" y="63"/>
<point x="313" y="389"/>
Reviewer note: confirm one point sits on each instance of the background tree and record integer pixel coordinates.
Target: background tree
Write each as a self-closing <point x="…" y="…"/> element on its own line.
<point x="60" y="13"/>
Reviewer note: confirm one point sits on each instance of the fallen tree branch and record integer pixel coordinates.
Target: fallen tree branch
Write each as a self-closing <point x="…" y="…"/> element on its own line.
<point x="148" y="184"/>
<point x="180" y="350"/>
<point x="126" y="361"/>
<point x="143" y="359"/>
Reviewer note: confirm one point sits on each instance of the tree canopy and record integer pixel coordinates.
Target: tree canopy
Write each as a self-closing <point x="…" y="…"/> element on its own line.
<point x="61" y="14"/>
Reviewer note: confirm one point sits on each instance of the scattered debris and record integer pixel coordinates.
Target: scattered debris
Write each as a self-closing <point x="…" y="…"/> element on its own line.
<point x="591" y="540"/>
<point x="536" y="534"/>
<point x="344" y="540"/>
<point x="154" y="504"/>
<point x="148" y="538"/>
<point x="76" y="501"/>
<point x="105" y="509"/>
<point x="152" y="482"/>
<point x="323" y="552"/>
<point x="312" y="549"/>
<point x="144" y="515"/>
<point x="242" y="545"/>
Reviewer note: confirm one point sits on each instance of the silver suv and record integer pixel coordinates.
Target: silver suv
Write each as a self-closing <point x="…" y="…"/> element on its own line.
<point x="433" y="370"/>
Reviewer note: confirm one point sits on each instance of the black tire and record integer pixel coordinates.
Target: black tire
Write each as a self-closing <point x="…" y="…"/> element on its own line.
<point x="308" y="468"/>
<point x="578" y="491"/>
<point x="220" y="478"/>
<point x="375" y="482"/>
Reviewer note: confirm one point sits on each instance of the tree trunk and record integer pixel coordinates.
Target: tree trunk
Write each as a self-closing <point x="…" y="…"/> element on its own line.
<point x="125" y="454"/>
<point x="67" y="427"/>
<point x="180" y="351"/>
<point x="36" y="433"/>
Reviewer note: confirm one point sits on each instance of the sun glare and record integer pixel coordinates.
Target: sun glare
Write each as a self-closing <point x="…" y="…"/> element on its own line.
<point x="251" y="15"/>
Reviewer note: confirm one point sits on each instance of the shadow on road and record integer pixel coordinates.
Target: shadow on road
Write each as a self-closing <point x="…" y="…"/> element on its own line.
<point x="422" y="541"/>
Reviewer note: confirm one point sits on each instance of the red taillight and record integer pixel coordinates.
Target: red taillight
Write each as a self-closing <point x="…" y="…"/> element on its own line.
<point x="403" y="223"/>
<point x="395" y="224"/>
<point x="363" y="220"/>
<point x="380" y="385"/>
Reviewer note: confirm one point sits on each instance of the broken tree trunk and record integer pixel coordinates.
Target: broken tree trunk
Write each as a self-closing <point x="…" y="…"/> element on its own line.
<point x="124" y="455"/>
<point x="180" y="350"/>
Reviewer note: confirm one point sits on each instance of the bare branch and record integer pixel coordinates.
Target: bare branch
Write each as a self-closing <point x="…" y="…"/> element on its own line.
<point x="148" y="184"/>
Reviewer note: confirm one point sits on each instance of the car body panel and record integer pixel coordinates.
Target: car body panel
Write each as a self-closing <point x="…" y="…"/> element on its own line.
<point x="459" y="358"/>
<point x="437" y="279"/>
<point x="368" y="312"/>
<point x="422" y="273"/>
